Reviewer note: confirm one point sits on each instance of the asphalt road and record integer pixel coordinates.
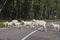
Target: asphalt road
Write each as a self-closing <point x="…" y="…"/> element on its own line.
<point x="14" y="34"/>
<point x="18" y="34"/>
<point x="44" y="36"/>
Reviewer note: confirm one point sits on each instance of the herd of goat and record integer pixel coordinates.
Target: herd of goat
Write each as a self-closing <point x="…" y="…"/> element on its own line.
<point x="33" y="23"/>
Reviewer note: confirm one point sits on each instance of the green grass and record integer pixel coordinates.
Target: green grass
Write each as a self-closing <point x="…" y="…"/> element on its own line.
<point x="53" y="20"/>
<point x="1" y="25"/>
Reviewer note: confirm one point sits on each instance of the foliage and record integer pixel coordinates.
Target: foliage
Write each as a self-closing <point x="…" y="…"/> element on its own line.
<point x="30" y="9"/>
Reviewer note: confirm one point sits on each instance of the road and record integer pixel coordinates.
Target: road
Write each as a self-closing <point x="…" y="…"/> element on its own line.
<point x="44" y="36"/>
<point x="18" y="34"/>
<point x="14" y="34"/>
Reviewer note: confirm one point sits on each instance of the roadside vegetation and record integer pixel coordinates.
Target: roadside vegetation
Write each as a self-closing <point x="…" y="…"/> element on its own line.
<point x="53" y="20"/>
<point x="1" y="25"/>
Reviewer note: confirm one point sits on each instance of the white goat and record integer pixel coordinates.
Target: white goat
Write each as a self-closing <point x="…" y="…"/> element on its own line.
<point x="16" y="23"/>
<point x="56" y="26"/>
<point x="10" y="24"/>
<point x="5" y="23"/>
<point x="40" y="22"/>
<point x="28" y="23"/>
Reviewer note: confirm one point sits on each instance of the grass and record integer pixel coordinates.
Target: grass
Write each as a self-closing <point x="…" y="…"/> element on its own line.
<point x="53" y="20"/>
<point x="1" y="25"/>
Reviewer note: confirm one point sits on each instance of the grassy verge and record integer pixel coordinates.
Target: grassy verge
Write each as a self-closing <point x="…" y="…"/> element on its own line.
<point x="53" y="20"/>
<point x="1" y="25"/>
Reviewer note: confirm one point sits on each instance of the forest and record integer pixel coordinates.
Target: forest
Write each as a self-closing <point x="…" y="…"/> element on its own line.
<point x="29" y="9"/>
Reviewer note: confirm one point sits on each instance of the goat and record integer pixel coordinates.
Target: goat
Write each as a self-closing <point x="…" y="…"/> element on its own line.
<point x="40" y="22"/>
<point x="10" y="24"/>
<point x="16" y="23"/>
<point x="5" y="23"/>
<point x="28" y="23"/>
<point x="55" y="26"/>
